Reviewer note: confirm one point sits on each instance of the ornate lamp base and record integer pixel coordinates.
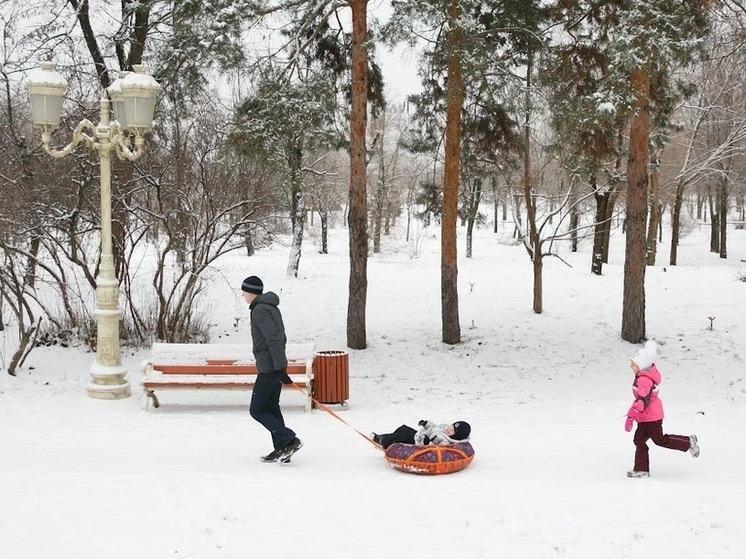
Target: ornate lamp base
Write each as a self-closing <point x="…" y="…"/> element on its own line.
<point x="108" y="382"/>
<point x="109" y="391"/>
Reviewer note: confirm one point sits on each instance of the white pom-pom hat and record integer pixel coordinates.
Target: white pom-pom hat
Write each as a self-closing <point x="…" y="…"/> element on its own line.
<point x="646" y="356"/>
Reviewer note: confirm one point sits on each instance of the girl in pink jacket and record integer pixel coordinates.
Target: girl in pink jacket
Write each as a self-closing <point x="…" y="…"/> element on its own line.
<point x="647" y="411"/>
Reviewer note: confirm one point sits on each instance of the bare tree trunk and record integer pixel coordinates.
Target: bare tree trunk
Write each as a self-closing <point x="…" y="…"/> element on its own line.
<point x="451" y="175"/>
<point x="533" y="231"/>
<point x="655" y="205"/>
<point x="297" y="243"/>
<point x="574" y="222"/>
<point x="24" y="347"/>
<point x="30" y="277"/>
<point x="660" y="224"/>
<point x="723" y="211"/>
<point x="517" y="213"/>
<point x="297" y="208"/>
<point x="633" y="303"/>
<point x="597" y="258"/>
<point x="409" y="221"/>
<point x="324" y="215"/>
<point x="380" y="194"/>
<point x="357" y="218"/>
<point x="248" y="241"/>
<point x="714" y="222"/>
<point x="676" y="222"/>
<point x="599" y="228"/>
<point x="390" y="216"/>
<point x="475" y="197"/>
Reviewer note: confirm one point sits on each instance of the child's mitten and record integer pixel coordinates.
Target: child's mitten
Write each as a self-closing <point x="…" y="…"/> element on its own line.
<point x="628" y="424"/>
<point x="632" y="415"/>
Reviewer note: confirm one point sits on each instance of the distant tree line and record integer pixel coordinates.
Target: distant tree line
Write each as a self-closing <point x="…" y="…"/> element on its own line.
<point x="563" y="117"/>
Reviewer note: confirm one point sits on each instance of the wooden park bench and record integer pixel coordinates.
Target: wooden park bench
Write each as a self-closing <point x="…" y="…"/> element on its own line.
<point x="217" y="366"/>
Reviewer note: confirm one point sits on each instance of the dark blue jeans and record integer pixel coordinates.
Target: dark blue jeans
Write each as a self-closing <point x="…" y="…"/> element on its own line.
<point x="403" y="434"/>
<point x="265" y="408"/>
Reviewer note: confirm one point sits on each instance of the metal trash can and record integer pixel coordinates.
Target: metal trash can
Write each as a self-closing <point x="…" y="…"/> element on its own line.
<point x="331" y="377"/>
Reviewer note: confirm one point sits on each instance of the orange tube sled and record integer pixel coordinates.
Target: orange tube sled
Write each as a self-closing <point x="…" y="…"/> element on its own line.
<point x="430" y="459"/>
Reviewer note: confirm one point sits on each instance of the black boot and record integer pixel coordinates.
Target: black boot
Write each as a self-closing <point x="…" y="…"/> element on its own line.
<point x="291" y="448"/>
<point x="273" y="456"/>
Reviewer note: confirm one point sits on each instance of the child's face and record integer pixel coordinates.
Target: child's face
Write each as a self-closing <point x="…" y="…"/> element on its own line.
<point x="634" y="367"/>
<point x="450" y="431"/>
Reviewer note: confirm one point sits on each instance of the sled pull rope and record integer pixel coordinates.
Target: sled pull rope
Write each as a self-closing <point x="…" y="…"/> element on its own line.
<point x="330" y="412"/>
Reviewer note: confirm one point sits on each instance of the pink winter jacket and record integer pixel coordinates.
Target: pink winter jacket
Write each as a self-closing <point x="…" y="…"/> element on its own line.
<point x="645" y="390"/>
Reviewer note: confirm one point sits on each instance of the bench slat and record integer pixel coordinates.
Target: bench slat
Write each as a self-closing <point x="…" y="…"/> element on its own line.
<point x="200" y="383"/>
<point x="210" y="369"/>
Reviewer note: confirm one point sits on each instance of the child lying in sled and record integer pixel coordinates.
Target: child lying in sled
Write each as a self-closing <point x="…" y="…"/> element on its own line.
<point x="428" y="433"/>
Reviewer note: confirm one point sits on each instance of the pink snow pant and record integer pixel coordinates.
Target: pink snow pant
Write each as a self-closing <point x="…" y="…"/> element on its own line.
<point x="653" y="430"/>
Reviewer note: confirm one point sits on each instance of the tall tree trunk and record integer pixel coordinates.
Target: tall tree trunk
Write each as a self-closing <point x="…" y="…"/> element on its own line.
<point x="380" y="195"/>
<point x="248" y="240"/>
<point x="723" y="211"/>
<point x="676" y="222"/>
<point x="533" y="230"/>
<point x="574" y="223"/>
<point x="451" y="176"/>
<point x="33" y="257"/>
<point x="475" y="197"/>
<point x="615" y="189"/>
<point x="358" y="212"/>
<point x="605" y="201"/>
<point x="633" y="303"/>
<point x="389" y="216"/>
<point x="517" y="215"/>
<point x="297" y="207"/>
<point x="655" y="211"/>
<point x="606" y="236"/>
<point x="714" y="222"/>
<point x="297" y="243"/>
<point x="599" y="228"/>
<point x="324" y="215"/>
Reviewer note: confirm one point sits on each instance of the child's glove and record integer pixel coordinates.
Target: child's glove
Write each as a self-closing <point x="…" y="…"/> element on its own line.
<point x="628" y="424"/>
<point x="632" y="415"/>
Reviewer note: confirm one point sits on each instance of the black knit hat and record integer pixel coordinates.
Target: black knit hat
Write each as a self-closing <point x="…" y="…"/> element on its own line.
<point x="461" y="430"/>
<point x="252" y="284"/>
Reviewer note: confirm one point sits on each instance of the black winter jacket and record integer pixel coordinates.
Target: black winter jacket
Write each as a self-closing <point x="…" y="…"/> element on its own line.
<point x="268" y="333"/>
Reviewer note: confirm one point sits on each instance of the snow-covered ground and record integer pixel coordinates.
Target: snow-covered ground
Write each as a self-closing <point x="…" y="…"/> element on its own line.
<point x="545" y="395"/>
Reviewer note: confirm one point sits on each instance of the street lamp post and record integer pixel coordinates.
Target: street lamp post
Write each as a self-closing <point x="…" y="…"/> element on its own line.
<point x="133" y="95"/>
